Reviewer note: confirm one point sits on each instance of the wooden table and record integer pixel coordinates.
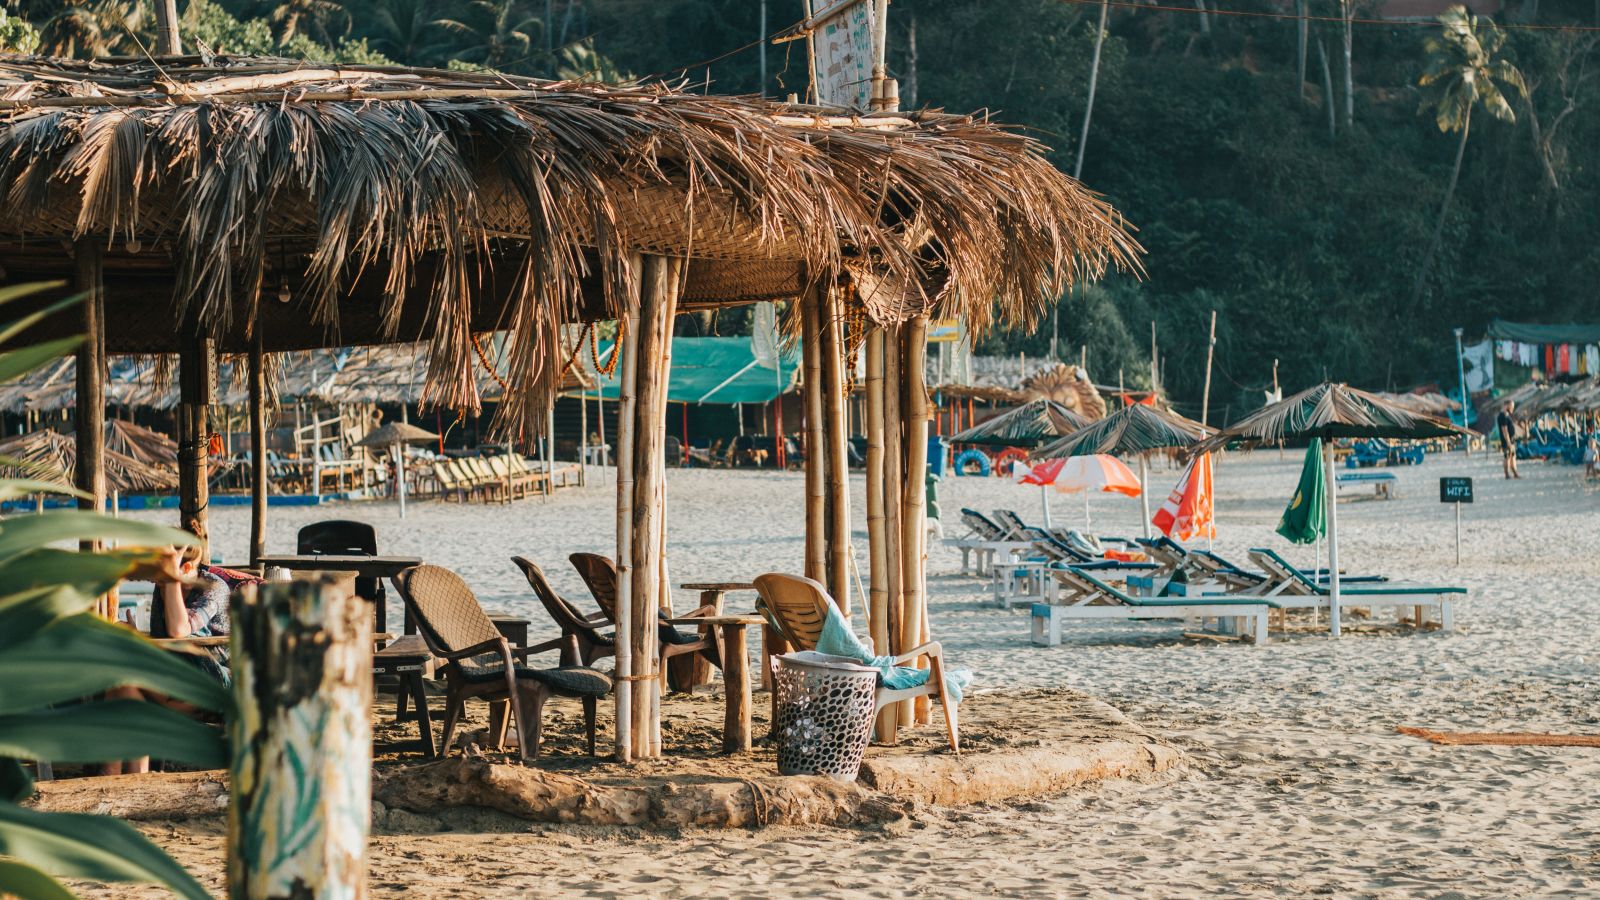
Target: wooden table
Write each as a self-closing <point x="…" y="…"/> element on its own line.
<point x="736" y="723"/>
<point x="363" y="566"/>
<point x="407" y="658"/>
<point x="696" y="669"/>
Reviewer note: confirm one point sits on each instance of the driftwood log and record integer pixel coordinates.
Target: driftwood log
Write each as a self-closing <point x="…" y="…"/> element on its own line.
<point x="542" y="796"/>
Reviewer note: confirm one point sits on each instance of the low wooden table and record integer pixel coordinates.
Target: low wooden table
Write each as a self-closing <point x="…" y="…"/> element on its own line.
<point x="696" y="669"/>
<point x="364" y="566"/>
<point x="736" y="723"/>
<point x="407" y="658"/>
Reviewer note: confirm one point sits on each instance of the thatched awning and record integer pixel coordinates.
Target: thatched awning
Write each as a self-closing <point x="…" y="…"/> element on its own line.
<point x="50" y="456"/>
<point x="361" y="204"/>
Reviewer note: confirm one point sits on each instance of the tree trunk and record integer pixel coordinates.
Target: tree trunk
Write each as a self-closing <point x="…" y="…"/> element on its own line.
<point x="1327" y="88"/>
<point x="1302" y="32"/>
<point x="1444" y="210"/>
<point x="1094" y="80"/>
<point x="302" y="743"/>
<point x="168" y="43"/>
<point x="1345" y="13"/>
<point x="909" y="92"/>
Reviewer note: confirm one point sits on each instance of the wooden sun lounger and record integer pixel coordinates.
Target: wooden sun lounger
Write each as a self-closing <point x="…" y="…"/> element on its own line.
<point x="1291" y="589"/>
<point x="987" y="540"/>
<point x="1088" y="597"/>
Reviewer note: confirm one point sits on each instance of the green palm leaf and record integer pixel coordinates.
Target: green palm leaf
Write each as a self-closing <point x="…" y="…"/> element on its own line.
<point x="27" y="883"/>
<point x="110" y="730"/>
<point x="93" y="847"/>
<point x="18" y="363"/>
<point x="84" y="655"/>
<point x="24" y="533"/>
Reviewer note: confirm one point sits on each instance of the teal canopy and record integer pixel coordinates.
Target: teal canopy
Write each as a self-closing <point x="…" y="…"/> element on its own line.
<point x="714" y="370"/>
<point x="1529" y="333"/>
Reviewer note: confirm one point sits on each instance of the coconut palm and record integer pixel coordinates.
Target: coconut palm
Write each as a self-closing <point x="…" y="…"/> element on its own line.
<point x="88" y="30"/>
<point x="499" y="33"/>
<point x="405" y="31"/>
<point x="1464" y="67"/>
<point x="318" y="20"/>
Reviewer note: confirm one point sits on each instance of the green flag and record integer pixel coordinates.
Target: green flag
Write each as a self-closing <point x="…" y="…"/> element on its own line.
<point x="1304" y="518"/>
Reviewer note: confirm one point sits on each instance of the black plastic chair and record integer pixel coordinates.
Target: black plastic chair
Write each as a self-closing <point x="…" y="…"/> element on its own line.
<point x="343" y="537"/>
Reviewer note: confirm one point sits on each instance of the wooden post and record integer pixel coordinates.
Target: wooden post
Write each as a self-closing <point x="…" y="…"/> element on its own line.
<point x="258" y="450"/>
<point x="656" y="302"/>
<point x="836" y="437"/>
<point x="878" y="535"/>
<point x="626" y="345"/>
<point x="301" y="743"/>
<point x="583" y="438"/>
<point x="893" y="468"/>
<point x="1211" y="350"/>
<point x="816" y="454"/>
<point x="913" y="501"/>
<point x="90" y="475"/>
<point x="196" y="375"/>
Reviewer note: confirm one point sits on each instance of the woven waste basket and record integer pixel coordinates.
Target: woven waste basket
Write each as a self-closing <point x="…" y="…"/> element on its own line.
<point x="825" y="707"/>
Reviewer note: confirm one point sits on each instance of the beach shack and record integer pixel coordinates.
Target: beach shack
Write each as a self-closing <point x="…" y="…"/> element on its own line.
<point x="215" y="206"/>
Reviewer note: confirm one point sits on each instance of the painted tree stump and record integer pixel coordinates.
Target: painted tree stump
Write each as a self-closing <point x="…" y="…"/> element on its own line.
<point x="301" y="741"/>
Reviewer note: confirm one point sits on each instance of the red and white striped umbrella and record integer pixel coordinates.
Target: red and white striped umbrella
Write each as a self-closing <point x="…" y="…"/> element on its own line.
<point x="1086" y="474"/>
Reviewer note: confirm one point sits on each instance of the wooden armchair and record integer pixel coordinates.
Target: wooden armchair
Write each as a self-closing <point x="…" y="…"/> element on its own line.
<point x="581" y="642"/>
<point x="481" y="663"/>
<point x="677" y="650"/>
<point x="796" y="608"/>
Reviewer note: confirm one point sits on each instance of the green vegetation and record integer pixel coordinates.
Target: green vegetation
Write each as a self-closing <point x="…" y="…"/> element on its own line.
<point x="1310" y="233"/>
<point x="54" y="653"/>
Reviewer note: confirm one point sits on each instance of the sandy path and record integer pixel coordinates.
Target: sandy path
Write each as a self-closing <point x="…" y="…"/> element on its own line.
<point x="1303" y="784"/>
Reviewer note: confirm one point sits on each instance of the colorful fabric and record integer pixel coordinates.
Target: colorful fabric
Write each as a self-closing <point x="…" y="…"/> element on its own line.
<point x="838" y="640"/>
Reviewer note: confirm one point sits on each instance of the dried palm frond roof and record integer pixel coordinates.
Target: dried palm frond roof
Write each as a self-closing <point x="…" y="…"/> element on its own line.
<point x="52" y="456"/>
<point x="1329" y="410"/>
<point x="1028" y="425"/>
<point x="451" y="202"/>
<point x="1136" y="428"/>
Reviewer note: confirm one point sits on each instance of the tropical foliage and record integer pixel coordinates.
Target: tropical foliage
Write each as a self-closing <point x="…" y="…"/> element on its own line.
<point x="55" y="656"/>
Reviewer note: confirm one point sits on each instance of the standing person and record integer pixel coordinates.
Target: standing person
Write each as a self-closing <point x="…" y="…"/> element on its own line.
<point x="1507" y="426"/>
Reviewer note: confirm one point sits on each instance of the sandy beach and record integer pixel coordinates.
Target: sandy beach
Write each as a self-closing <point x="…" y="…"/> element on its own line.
<point x="1301" y="784"/>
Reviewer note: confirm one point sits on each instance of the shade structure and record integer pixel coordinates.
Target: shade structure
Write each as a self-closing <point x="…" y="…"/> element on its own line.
<point x="395" y="435"/>
<point x="1138" y="429"/>
<point x="1330" y="411"/>
<point x="713" y="370"/>
<point x="52" y="456"/>
<point x="1029" y="425"/>
<point x="1084" y="474"/>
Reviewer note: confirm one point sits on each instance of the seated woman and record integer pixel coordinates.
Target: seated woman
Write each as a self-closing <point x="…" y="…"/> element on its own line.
<point x="196" y="610"/>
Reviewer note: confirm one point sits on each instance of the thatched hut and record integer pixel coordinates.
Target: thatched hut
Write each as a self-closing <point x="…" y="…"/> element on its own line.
<point x="234" y="205"/>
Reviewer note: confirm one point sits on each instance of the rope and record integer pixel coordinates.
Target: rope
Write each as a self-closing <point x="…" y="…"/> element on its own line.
<point x="616" y="352"/>
<point x="760" y="804"/>
<point x="483" y="359"/>
<point x="650" y="676"/>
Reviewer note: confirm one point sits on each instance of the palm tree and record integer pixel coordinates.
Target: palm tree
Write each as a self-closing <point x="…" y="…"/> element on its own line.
<point x="1463" y="68"/>
<point x="312" y="19"/>
<point x="89" y="30"/>
<point x="404" y="30"/>
<point x="500" y="36"/>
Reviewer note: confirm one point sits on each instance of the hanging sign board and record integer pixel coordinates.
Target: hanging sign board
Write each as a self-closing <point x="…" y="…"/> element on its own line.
<point x="942" y="331"/>
<point x="1455" y="490"/>
<point x="841" y="52"/>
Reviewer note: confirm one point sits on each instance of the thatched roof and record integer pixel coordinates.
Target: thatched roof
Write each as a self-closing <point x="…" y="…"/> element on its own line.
<point x="388" y="373"/>
<point x="1538" y="397"/>
<point x="1137" y="428"/>
<point x="1029" y="425"/>
<point x="51" y="455"/>
<point x="1328" y="411"/>
<point x="381" y="203"/>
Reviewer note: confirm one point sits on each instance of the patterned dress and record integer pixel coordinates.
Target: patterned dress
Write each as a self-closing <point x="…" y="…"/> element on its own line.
<point x="207" y="608"/>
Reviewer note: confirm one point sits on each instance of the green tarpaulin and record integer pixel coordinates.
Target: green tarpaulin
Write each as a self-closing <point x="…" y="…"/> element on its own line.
<point x="714" y="370"/>
<point x="1529" y="333"/>
<point x="1304" y="519"/>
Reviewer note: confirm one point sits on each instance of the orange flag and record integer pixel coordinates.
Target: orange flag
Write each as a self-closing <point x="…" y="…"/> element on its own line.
<point x="1188" y="512"/>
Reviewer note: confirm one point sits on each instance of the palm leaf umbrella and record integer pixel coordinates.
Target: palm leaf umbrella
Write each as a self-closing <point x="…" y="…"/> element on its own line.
<point x="393" y="435"/>
<point x="53" y="456"/>
<point x="1330" y="411"/>
<point x="1138" y="428"/>
<point x="1029" y="425"/>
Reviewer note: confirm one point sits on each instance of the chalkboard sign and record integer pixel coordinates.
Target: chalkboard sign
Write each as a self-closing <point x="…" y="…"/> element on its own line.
<point x="1455" y="490"/>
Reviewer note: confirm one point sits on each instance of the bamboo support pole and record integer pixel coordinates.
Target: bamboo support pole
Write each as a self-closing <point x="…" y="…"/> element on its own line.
<point x="836" y="435"/>
<point x="816" y="456"/>
<point x="196" y="375"/>
<point x="893" y="474"/>
<point x="301" y="794"/>
<point x="626" y="401"/>
<point x="877" y="521"/>
<point x="913" y="534"/>
<point x="258" y="451"/>
<point x="90" y="474"/>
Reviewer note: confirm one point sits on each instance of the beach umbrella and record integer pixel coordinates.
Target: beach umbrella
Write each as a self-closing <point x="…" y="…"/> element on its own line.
<point x="1029" y="425"/>
<point x="1327" y="412"/>
<point x="1190" y="510"/>
<point x="395" y="435"/>
<point x="1138" y="429"/>
<point x="1085" y="474"/>
<point x="52" y="456"/>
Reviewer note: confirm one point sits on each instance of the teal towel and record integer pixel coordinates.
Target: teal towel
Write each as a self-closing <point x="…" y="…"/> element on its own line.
<point x="838" y="640"/>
